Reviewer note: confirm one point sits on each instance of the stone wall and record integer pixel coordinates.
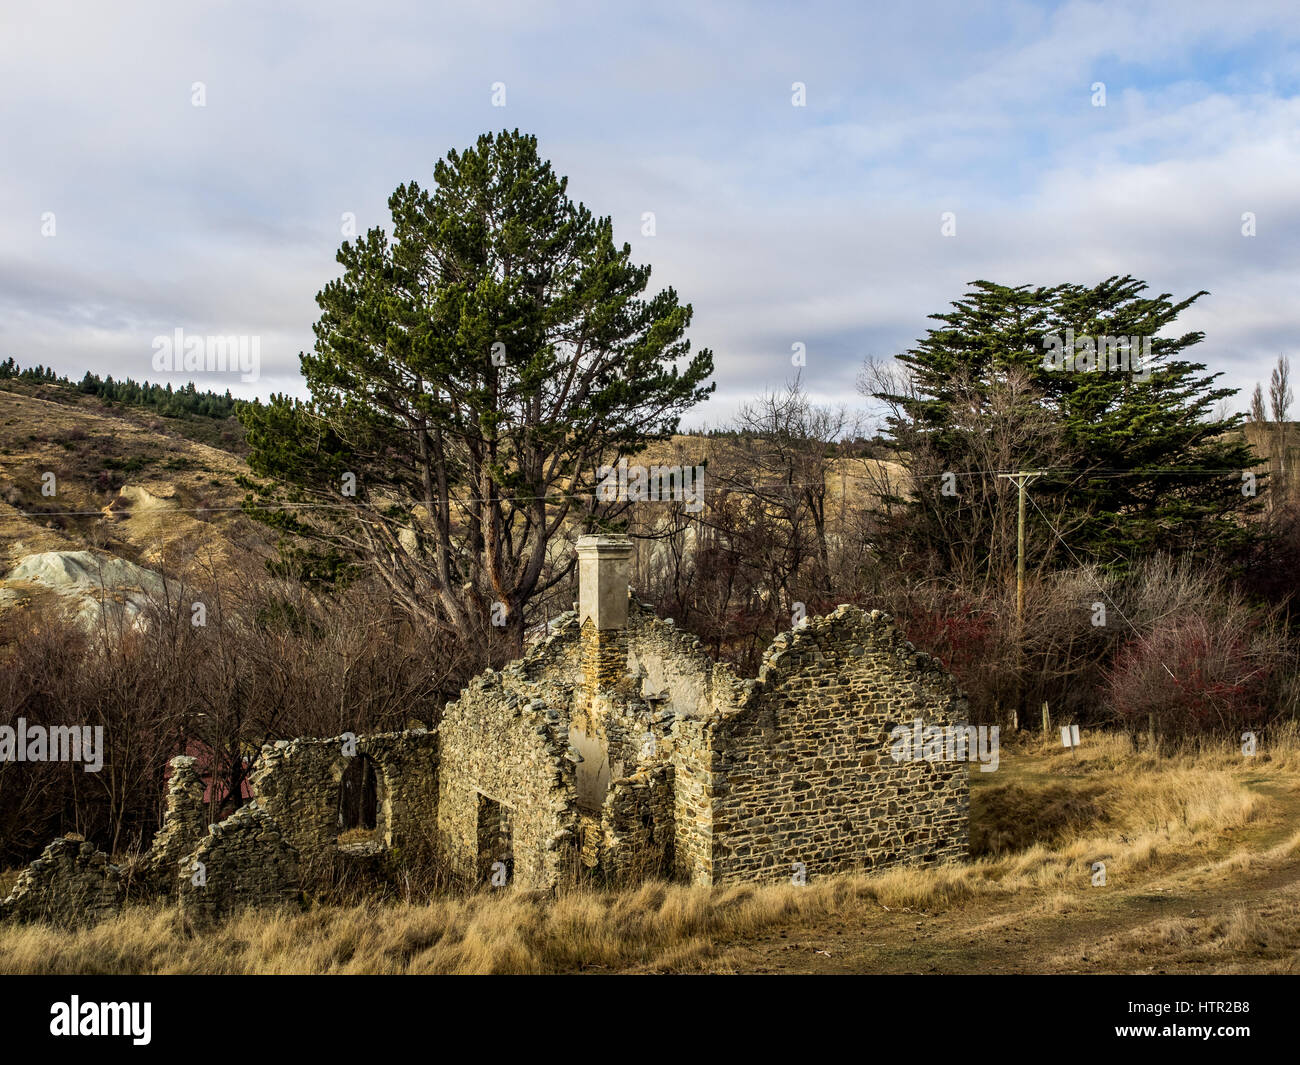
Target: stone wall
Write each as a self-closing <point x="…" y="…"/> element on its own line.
<point x="257" y="856"/>
<point x="505" y="744"/>
<point x="71" y="883"/>
<point x="628" y="826"/>
<point x="616" y="745"/>
<point x="798" y="768"/>
<point x="695" y="773"/>
<point x="553" y="661"/>
<point x="297" y="783"/>
<point x="672" y="667"/>
<point x="672" y="762"/>
<point x="637" y="826"/>
<point x="243" y="861"/>
<point x="185" y="823"/>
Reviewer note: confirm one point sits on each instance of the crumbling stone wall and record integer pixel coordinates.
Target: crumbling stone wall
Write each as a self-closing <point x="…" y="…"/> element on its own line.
<point x="185" y="822"/>
<point x="297" y="782"/>
<point x="622" y="727"/>
<point x="71" y="884"/>
<point x="554" y="662"/>
<point x="243" y="861"/>
<point x="638" y="827"/>
<point x="627" y="823"/>
<point x="671" y="666"/>
<point x="696" y="770"/>
<point x="798" y="767"/>
<point x="505" y="742"/>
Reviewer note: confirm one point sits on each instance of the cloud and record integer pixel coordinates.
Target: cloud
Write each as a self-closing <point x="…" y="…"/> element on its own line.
<point x="817" y="225"/>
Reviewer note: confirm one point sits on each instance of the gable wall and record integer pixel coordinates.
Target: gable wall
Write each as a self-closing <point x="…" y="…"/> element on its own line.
<point x="509" y="743"/>
<point x="801" y="770"/>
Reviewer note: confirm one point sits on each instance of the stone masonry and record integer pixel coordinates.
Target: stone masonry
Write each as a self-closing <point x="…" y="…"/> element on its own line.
<point x="71" y="883"/>
<point x="185" y="823"/>
<point x="675" y="766"/>
<point x="507" y="761"/>
<point x="297" y="782"/>
<point x="242" y="862"/>
<point x="795" y="766"/>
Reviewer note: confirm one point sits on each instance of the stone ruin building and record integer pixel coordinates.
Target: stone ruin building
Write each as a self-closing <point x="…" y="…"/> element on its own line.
<point x="615" y="747"/>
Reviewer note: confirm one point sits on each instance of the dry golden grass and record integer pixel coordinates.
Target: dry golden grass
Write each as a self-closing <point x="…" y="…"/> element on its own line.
<point x="1265" y="930"/>
<point x="1190" y="817"/>
<point x="656" y="924"/>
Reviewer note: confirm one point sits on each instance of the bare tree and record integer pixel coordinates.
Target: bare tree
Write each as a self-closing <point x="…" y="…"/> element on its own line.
<point x="1257" y="415"/>
<point x="998" y="426"/>
<point x="1279" y="401"/>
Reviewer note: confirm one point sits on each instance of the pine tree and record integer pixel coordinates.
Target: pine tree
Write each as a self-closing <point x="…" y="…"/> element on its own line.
<point x="472" y="373"/>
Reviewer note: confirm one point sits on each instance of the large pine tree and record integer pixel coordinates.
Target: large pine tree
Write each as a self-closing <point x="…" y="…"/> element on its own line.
<point x="471" y="374"/>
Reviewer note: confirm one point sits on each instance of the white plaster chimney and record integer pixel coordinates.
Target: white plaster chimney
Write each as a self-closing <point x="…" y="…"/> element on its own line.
<point x="604" y="571"/>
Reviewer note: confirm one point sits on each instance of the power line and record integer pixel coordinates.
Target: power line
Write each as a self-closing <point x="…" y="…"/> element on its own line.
<point x="861" y="480"/>
<point x="103" y="511"/>
<point x="1079" y="563"/>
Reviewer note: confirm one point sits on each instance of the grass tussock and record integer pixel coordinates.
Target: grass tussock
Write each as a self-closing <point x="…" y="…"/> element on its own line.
<point x="654" y="926"/>
<point x="1012" y="817"/>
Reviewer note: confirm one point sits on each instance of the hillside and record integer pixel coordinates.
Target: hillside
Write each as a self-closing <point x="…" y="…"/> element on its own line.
<point x="125" y="483"/>
<point x="160" y="493"/>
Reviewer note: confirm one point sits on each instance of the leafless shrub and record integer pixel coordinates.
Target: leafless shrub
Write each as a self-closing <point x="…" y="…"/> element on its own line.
<point x="217" y="671"/>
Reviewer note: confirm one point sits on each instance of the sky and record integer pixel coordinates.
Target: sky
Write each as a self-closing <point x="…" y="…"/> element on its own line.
<point x="128" y="212"/>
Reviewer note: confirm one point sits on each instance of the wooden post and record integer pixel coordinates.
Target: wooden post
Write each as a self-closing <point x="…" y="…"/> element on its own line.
<point x="1020" y="559"/>
<point x="1047" y="720"/>
<point x="1022" y="479"/>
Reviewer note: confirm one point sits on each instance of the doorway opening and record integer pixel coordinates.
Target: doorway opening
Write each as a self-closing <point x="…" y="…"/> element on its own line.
<point x="496" y="854"/>
<point x="358" y="815"/>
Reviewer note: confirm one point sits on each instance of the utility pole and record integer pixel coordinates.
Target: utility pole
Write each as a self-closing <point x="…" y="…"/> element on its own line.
<point x="1022" y="480"/>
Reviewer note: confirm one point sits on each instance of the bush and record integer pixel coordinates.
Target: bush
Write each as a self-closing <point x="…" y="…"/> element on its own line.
<point x="271" y="662"/>
<point x="1194" y="675"/>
